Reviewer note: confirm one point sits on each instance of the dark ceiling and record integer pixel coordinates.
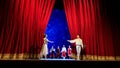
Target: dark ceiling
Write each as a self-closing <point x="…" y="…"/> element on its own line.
<point x="59" y="4"/>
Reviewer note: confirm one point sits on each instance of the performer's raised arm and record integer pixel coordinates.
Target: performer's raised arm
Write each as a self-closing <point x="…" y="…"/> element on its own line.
<point x="71" y="41"/>
<point x="49" y="41"/>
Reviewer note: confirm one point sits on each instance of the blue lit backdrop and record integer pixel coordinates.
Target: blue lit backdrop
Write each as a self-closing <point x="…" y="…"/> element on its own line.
<point x="57" y="29"/>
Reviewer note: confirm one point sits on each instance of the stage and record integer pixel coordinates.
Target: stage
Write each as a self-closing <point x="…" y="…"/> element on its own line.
<point x="55" y="59"/>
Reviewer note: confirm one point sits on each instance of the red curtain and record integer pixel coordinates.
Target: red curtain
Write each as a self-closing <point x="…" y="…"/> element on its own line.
<point x="23" y="24"/>
<point x="84" y="18"/>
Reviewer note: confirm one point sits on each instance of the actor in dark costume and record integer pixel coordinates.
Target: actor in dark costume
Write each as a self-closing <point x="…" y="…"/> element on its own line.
<point x="58" y="52"/>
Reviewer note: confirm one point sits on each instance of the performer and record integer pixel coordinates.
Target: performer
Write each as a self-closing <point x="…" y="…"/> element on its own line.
<point x="69" y="52"/>
<point x="79" y="45"/>
<point x="52" y="52"/>
<point x="64" y="52"/>
<point x="58" y="52"/>
<point x="44" y="51"/>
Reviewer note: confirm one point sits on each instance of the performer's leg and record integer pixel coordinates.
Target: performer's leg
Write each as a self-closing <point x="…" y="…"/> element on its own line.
<point x="68" y="57"/>
<point x="78" y="52"/>
<point x="45" y="56"/>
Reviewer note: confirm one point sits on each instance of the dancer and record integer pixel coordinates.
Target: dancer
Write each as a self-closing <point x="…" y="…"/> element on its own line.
<point x="52" y="52"/>
<point x="58" y="52"/>
<point x="44" y="50"/>
<point x="69" y="52"/>
<point x="79" y="45"/>
<point x="64" y="52"/>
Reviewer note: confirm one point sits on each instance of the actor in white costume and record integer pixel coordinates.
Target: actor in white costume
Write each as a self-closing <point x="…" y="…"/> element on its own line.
<point x="79" y="45"/>
<point x="52" y="52"/>
<point x="44" y="51"/>
<point x="64" y="50"/>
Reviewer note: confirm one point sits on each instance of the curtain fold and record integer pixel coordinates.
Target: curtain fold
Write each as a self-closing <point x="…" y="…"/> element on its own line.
<point x="85" y="19"/>
<point x="23" y="24"/>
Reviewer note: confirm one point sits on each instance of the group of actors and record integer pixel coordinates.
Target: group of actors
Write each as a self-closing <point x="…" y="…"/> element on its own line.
<point x="77" y="41"/>
<point x="64" y="52"/>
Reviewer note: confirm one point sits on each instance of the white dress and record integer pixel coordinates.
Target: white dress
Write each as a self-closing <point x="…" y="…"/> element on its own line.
<point x="45" y="47"/>
<point x="44" y="50"/>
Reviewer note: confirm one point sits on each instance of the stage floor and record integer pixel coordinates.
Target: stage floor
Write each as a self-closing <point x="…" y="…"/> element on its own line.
<point x="58" y="59"/>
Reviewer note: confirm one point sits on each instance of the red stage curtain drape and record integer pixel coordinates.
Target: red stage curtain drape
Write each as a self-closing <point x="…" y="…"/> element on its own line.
<point x="84" y="18"/>
<point x="23" y="24"/>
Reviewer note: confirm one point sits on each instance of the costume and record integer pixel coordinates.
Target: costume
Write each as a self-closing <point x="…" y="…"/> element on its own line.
<point x="69" y="52"/>
<point x="52" y="52"/>
<point x="44" y="50"/>
<point x="58" y="53"/>
<point x="64" y="52"/>
<point x="79" y="45"/>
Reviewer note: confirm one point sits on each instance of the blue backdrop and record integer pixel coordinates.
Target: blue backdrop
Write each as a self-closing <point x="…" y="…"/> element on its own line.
<point x="57" y="29"/>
